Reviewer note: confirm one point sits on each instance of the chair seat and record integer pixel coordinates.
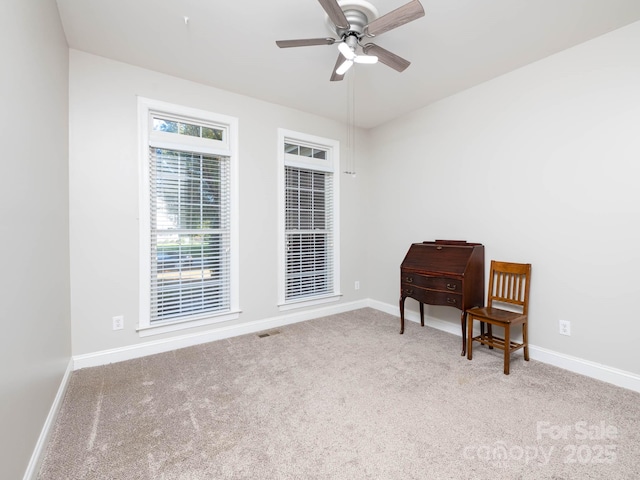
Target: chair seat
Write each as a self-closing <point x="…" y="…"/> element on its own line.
<point x="496" y="314"/>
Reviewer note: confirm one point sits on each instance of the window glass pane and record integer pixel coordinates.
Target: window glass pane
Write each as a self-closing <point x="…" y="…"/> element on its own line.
<point x="292" y="149"/>
<point x="212" y="133"/>
<point x="165" y="125"/>
<point x="306" y="151"/>
<point x="321" y="154"/>
<point x="189" y="129"/>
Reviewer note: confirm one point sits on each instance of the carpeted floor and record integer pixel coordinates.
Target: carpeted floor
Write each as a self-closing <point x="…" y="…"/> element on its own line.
<point x="341" y="397"/>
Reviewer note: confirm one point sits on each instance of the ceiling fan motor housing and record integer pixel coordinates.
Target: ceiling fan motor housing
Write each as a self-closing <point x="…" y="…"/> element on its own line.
<point x="359" y="13"/>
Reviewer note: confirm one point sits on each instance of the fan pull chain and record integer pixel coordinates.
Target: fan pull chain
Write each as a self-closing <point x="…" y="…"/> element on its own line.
<point x="351" y="127"/>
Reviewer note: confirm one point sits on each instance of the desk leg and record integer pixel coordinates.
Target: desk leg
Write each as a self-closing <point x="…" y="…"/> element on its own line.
<point x="401" y="314"/>
<point x="421" y="314"/>
<point x="463" y="322"/>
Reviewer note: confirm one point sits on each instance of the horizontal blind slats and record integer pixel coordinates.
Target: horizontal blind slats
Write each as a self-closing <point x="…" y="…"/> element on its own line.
<point x="190" y="234"/>
<point x="308" y="233"/>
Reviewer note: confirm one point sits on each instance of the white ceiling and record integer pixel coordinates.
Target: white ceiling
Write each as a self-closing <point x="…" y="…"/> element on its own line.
<point x="230" y="44"/>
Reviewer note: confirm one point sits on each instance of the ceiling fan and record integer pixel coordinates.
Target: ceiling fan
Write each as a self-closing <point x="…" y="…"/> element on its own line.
<point x="354" y="21"/>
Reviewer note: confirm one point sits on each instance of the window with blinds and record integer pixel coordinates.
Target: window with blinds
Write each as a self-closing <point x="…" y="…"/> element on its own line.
<point x="309" y="261"/>
<point x="187" y="222"/>
<point x="190" y="262"/>
<point x="308" y="205"/>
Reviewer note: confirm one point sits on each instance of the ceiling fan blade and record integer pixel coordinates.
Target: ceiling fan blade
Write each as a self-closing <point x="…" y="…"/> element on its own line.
<point x="334" y="76"/>
<point x="385" y="56"/>
<point x="336" y="15"/>
<point x="398" y="17"/>
<point x="305" y="42"/>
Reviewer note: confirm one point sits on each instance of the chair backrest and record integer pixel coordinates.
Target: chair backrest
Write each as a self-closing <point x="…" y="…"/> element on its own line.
<point x="509" y="284"/>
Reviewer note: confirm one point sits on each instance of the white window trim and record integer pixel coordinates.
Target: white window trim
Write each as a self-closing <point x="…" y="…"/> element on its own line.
<point x="332" y="164"/>
<point x="228" y="147"/>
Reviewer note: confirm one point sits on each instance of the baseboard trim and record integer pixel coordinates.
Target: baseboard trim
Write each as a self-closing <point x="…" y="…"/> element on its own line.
<point x="415" y="317"/>
<point x="581" y="366"/>
<point x="105" y="357"/>
<point x="38" y="452"/>
<point x="615" y="376"/>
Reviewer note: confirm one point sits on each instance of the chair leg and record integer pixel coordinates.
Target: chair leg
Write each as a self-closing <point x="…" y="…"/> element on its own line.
<point x="469" y="336"/>
<point x="490" y="332"/>
<point x="507" y="348"/>
<point x="525" y="340"/>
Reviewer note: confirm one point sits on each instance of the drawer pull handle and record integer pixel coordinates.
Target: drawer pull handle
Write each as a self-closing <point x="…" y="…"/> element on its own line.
<point x="409" y="279"/>
<point x="409" y="291"/>
<point x="452" y="301"/>
<point x="451" y="286"/>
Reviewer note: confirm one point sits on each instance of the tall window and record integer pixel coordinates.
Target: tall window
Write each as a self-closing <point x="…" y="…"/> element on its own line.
<point x="187" y="221"/>
<point x="309" y="260"/>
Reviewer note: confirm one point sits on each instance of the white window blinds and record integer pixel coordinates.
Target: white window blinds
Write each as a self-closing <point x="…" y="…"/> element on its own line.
<point x="309" y="241"/>
<point x="190" y="235"/>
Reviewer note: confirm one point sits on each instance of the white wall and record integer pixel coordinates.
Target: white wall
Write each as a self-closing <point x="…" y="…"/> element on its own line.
<point x="540" y="165"/>
<point x="104" y="196"/>
<point x="555" y="142"/>
<point x="36" y="339"/>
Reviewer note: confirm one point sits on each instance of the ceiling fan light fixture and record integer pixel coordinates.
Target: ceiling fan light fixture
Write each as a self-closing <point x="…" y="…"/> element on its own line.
<point x="346" y="51"/>
<point x="366" y="59"/>
<point x="342" y="69"/>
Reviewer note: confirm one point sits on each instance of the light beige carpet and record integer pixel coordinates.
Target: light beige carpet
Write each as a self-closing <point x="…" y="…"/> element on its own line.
<point x="341" y="397"/>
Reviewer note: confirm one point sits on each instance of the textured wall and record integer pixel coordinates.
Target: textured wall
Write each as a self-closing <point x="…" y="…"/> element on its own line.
<point x="34" y="225"/>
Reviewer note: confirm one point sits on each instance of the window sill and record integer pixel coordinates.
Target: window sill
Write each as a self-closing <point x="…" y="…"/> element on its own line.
<point x="166" y="327"/>
<point x="309" y="302"/>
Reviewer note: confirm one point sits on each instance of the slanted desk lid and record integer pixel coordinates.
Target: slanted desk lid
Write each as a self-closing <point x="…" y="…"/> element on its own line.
<point x="441" y="256"/>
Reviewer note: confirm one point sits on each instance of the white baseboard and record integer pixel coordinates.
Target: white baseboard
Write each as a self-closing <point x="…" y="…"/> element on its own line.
<point x="412" y="316"/>
<point x="38" y="452"/>
<point x="615" y="376"/>
<point x="105" y="357"/>
<point x="598" y="371"/>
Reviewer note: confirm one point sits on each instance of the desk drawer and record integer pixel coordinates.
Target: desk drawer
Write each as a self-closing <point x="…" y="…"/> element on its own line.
<point x="432" y="297"/>
<point x="434" y="283"/>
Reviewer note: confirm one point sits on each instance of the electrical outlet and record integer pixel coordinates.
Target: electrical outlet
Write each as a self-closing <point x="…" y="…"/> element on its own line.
<point x="118" y="322"/>
<point x="565" y="327"/>
<point x="357" y="285"/>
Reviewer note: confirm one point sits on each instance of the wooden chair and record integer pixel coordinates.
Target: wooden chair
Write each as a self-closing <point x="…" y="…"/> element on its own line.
<point x="509" y="288"/>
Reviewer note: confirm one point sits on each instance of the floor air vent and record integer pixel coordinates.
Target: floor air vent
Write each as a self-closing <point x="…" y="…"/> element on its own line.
<point x="268" y="334"/>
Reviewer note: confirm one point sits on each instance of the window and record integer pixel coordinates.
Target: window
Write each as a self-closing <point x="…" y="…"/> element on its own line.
<point x="309" y="253"/>
<point x="188" y="227"/>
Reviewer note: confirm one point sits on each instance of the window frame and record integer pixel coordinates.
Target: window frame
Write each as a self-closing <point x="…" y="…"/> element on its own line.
<point x="329" y="165"/>
<point x="227" y="147"/>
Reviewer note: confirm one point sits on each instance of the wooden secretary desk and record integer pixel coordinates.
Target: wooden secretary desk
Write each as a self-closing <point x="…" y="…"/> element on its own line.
<point x="443" y="272"/>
